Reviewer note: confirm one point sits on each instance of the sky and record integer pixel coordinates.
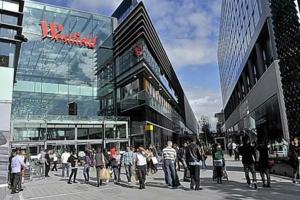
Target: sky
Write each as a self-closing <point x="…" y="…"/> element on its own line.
<point x="188" y="30"/>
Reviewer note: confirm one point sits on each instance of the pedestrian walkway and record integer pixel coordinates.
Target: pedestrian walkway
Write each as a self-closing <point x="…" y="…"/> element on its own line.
<point x="57" y="188"/>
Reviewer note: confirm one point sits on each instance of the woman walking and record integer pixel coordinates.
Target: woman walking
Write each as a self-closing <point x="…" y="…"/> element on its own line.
<point x="263" y="164"/>
<point x="87" y="164"/>
<point x="100" y="163"/>
<point x="73" y="160"/>
<point x="218" y="161"/>
<point x="294" y="156"/>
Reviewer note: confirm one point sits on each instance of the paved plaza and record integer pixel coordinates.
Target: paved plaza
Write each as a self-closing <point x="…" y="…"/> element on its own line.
<point x="56" y="188"/>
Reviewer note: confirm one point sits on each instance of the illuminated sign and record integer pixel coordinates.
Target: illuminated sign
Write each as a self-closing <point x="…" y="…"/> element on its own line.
<point x="138" y="50"/>
<point x="72" y="39"/>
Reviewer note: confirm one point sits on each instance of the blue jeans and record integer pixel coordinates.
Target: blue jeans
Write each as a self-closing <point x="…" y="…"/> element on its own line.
<point x="170" y="172"/>
<point x="128" y="169"/>
<point x="65" y="166"/>
<point x="86" y="172"/>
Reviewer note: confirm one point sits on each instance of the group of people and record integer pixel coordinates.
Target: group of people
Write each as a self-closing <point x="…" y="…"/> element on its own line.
<point x="16" y="167"/>
<point x="233" y="150"/>
<point x="113" y="159"/>
<point x="255" y="157"/>
<point x="140" y="162"/>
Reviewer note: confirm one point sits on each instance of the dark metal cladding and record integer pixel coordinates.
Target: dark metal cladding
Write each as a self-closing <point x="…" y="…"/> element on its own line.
<point x="287" y="34"/>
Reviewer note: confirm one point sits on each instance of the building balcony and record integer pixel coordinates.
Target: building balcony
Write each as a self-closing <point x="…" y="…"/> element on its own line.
<point x="143" y="98"/>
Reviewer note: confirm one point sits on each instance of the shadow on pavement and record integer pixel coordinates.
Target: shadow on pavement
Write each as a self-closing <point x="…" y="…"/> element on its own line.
<point x="238" y="191"/>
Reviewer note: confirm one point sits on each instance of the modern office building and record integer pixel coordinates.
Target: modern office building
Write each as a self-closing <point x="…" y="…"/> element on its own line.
<point x="85" y="79"/>
<point x="258" y="59"/>
<point x="55" y="96"/>
<point x="137" y="79"/>
<point x="11" y="15"/>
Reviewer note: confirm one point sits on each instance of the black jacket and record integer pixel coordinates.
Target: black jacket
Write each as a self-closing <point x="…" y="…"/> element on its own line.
<point x="73" y="160"/>
<point x="193" y="153"/>
<point x="248" y="154"/>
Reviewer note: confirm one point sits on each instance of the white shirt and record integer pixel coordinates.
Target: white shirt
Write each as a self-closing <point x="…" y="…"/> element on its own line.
<point x="141" y="159"/>
<point x="16" y="163"/>
<point x="54" y="157"/>
<point x="233" y="145"/>
<point x="64" y="157"/>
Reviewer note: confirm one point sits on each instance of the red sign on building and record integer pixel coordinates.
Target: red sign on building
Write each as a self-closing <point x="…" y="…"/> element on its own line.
<point x="72" y="39"/>
<point x="138" y="50"/>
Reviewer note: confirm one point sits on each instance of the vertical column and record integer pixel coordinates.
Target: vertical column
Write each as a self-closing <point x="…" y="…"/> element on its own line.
<point x="281" y="103"/>
<point x="246" y="86"/>
<point x="240" y="91"/>
<point x="259" y="60"/>
<point x="76" y="133"/>
<point x="251" y="73"/>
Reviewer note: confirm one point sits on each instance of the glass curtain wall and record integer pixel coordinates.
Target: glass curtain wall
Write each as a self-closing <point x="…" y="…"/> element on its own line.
<point x="52" y="74"/>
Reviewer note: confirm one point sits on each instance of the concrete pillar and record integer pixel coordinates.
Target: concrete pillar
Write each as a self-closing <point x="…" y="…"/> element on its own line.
<point x="259" y="60"/>
<point x="251" y="73"/>
<point x="240" y="90"/>
<point x="282" y="109"/>
<point x="246" y="86"/>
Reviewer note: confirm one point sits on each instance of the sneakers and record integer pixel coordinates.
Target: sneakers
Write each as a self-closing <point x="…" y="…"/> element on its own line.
<point x="253" y="186"/>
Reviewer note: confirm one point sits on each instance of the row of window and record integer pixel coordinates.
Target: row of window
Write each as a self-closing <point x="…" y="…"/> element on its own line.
<point x="40" y="134"/>
<point x="237" y="29"/>
<point x="127" y="60"/>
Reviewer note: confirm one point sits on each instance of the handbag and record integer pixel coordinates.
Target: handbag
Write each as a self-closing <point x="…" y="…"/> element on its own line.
<point x="104" y="174"/>
<point x="218" y="163"/>
<point x="154" y="160"/>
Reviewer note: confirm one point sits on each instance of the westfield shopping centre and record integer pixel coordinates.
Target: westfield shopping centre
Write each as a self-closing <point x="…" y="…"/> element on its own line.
<point x="87" y="79"/>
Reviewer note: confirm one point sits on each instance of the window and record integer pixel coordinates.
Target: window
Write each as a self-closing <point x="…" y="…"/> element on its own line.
<point x="9" y="5"/>
<point x="96" y="133"/>
<point x="7" y="52"/>
<point x="82" y="134"/>
<point x="130" y="89"/>
<point x="109" y="131"/>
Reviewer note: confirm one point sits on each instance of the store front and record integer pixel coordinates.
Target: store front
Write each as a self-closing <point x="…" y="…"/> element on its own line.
<point x="76" y="134"/>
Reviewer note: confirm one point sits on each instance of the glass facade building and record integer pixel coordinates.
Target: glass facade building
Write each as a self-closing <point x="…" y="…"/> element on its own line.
<point x="139" y="81"/>
<point x="79" y="84"/>
<point x="238" y="25"/>
<point x="52" y="74"/>
<point x="56" y="68"/>
<point x="258" y="67"/>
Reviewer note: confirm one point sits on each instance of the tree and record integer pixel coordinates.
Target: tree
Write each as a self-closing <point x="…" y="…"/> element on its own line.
<point x="205" y="129"/>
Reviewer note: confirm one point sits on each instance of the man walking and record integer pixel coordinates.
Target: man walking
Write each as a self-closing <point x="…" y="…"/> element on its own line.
<point x="16" y="164"/>
<point x="169" y="157"/>
<point x="128" y="162"/>
<point x="65" y="165"/>
<point x="47" y="163"/>
<point x="248" y="159"/>
<point x="182" y="159"/>
<point x="193" y="157"/>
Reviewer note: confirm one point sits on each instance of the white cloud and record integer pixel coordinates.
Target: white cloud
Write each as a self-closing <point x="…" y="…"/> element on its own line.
<point x="188" y="29"/>
<point x="205" y="102"/>
<point x="95" y="5"/>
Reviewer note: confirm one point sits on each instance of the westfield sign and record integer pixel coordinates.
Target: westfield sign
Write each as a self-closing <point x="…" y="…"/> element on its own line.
<point x="72" y="39"/>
